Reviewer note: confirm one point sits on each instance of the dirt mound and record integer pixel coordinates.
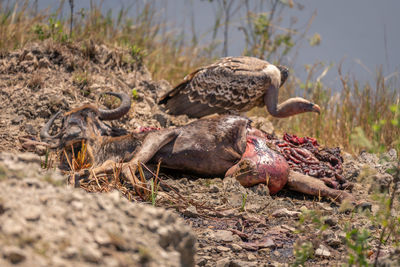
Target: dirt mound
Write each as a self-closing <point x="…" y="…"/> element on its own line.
<point x="41" y="79"/>
<point x="43" y="224"/>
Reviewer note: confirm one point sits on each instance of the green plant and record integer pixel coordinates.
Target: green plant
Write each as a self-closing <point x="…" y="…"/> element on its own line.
<point x="309" y="221"/>
<point x="357" y="242"/>
<point x="45" y="163"/>
<point x="56" y="28"/>
<point x="384" y="217"/>
<point x="135" y="94"/>
<point x="82" y="80"/>
<point x="244" y="200"/>
<point x="154" y="190"/>
<point x="137" y="53"/>
<point x="40" y="32"/>
<point x="141" y="187"/>
<point x="302" y="252"/>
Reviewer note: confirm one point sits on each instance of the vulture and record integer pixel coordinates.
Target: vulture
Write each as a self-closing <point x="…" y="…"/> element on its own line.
<point x="234" y="85"/>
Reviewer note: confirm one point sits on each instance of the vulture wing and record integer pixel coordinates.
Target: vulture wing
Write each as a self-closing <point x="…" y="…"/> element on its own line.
<point x="230" y="84"/>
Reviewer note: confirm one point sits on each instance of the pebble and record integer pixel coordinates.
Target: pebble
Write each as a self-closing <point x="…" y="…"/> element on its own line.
<point x="18" y="119"/>
<point x="223" y="262"/>
<point x="91" y="254"/>
<point x="222" y="249"/>
<point x="322" y="251"/>
<point x="30" y="129"/>
<point x="240" y="263"/>
<point x="191" y="212"/>
<point x="285" y="213"/>
<point x="214" y="189"/>
<point x="70" y="253"/>
<point x="333" y="242"/>
<point x="201" y="262"/>
<point x="111" y="262"/>
<point x="236" y="247"/>
<point x="331" y="221"/>
<point x="14" y="254"/>
<point x="11" y="227"/>
<point x="325" y="206"/>
<point x="276" y="253"/>
<point x="223" y="236"/>
<point x="303" y="209"/>
<point x="264" y="251"/>
<point x="102" y="238"/>
<point x="32" y="213"/>
<point x="251" y="257"/>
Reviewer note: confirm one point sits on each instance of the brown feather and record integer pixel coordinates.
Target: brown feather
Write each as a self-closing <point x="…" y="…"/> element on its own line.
<point x="232" y="83"/>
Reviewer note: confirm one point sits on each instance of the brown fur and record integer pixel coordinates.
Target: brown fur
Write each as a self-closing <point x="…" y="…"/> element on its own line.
<point x="207" y="147"/>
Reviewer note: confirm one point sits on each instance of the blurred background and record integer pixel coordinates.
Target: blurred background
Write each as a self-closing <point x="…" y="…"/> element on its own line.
<point x="343" y="55"/>
<point x="362" y="35"/>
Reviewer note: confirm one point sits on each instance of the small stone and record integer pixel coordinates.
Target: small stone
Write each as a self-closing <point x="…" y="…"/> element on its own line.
<point x="264" y="251"/>
<point x="266" y="243"/>
<point x="260" y="189"/>
<point x="285" y="213"/>
<point x="287" y="227"/>
<point x="364" y="206"/>
<point x="331" y="221"/>
<point x="222" y="249"/>
<point x="251" y="257"/>
<point x="191" y="212"/>
<point x="324" y="206"/>
<point x="70" y="253"/>
<point x="239" y="263"/>
<point x="214" y="189"/>
<point x="18" y="119"/>
<point x="226" y="213"/>
<point x="11" y="227"/>
<point x="333" y="242"/>
<point x="29" y="129"/>
<point x="43" y="63"/>
<point x="223" y="263"/>
<point x="102" y="238"/>
<point x="32" y="213"/>
<point x="341" y="235"/>
<point x="303" y="209"/>
<point x="14" y="254"/>
<point x="276" y="253"/>
<point x="111" y="262"/>
<point x="236" y="247"/>
<point x="322" y="251"/>
<point x="162" y="119"/>
<point x="58" y="262"/>
<point x="91" y="254"/>
<point x="202" y="262"/>
<point x="77" y="205"/>
<point x="223" y="236"/>
<point x="327" y="234"/>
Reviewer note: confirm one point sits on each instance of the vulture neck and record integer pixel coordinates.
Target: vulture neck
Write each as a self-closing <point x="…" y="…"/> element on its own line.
<point x="290" y="107"/>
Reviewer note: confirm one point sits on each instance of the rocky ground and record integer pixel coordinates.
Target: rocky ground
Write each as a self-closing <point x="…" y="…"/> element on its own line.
<point x="45" y="222"/>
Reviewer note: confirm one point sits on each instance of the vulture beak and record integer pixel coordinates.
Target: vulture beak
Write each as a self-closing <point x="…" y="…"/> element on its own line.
<point x="316" y="108"/>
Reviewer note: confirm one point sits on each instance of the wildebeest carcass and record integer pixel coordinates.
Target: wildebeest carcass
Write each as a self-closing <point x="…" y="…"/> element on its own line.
<point x="219" y="146"/>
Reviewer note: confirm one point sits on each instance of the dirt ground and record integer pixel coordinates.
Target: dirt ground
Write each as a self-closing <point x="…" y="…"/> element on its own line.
<point x="234" y="226"/>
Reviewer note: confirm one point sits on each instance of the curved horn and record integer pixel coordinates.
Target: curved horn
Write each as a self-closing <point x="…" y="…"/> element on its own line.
<point x="118" y="112"/>
<point x="44" y="133"/>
